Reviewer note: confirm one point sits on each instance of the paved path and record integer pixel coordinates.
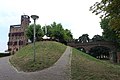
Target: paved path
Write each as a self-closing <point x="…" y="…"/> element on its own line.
<point x="59" y="71"/>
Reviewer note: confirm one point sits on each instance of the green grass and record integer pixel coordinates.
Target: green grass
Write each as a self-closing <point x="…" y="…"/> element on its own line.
<point x="85" y="67"/>
<point x="47" y="53"/>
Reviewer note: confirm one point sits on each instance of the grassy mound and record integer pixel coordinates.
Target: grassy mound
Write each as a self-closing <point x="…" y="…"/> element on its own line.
<point x="47" y="53"/>
<point x="85" y="67"/>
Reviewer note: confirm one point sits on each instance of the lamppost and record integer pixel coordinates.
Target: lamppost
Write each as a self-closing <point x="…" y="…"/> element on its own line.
<point x="34" y="17"/>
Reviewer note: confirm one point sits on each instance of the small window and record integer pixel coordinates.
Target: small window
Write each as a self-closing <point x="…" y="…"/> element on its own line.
<point x="16" y="49"/>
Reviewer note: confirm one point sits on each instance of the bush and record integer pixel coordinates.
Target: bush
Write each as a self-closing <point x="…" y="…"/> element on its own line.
<point x="4" y="54"/>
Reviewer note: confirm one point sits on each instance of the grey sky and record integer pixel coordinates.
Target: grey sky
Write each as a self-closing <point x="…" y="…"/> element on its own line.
<point x="72" y="14"/>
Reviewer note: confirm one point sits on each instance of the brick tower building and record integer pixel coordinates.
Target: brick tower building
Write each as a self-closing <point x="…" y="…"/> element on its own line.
<point x="17" y="35"/>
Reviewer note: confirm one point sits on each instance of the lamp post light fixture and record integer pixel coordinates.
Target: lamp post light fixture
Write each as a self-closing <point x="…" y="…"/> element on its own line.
<point x="34" y="17"/>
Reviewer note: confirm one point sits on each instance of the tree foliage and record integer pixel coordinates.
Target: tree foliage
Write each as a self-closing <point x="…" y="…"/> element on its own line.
<point x="108" y="33"/>
<point x="110" y="18"/>
<point x="97" y="38"/>
<point x="38" y="34"/>
<point x="108" y="9"/>
<point x="58" y="32"/>
<point x="54" y="30"/>
<point x="84" y="38"/>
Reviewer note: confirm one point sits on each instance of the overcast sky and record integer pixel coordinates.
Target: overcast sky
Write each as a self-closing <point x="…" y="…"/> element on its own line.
<point x="72" y="14"/>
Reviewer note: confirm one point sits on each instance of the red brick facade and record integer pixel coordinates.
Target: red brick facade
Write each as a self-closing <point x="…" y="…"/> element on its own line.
<point x="17" y="35"/>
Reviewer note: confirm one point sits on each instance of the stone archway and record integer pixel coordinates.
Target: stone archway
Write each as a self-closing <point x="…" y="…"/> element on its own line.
<point x="100" y="52"/>
<point x="81" y="49"/>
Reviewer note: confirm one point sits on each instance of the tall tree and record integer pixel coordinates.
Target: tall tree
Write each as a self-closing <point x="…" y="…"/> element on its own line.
<point x="84" y="38"/>
<point x="58" y="32"/>
<point x="67" y="34"/>
<point x="97" y="38"/>
<point x="108" y="33"/>
<point x="109" y="9"/>
<point x="30" y="33"/>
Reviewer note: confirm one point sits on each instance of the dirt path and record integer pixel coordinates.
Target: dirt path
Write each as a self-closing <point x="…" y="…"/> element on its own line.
<point x="59" y="71"/>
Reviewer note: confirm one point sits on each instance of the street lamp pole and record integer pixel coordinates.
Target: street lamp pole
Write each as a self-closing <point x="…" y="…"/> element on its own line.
<point x="34" y="17"/>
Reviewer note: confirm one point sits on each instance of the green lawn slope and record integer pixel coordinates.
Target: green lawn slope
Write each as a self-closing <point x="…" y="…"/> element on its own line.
<point x="47" y="53"/>
<point x="85" y="67"/>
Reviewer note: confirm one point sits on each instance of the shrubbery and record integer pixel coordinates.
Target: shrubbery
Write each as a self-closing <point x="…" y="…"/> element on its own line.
<point x="4" y="54"/>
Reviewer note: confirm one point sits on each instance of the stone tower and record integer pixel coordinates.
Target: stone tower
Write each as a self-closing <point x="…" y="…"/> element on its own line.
<point x="17" y="35"/>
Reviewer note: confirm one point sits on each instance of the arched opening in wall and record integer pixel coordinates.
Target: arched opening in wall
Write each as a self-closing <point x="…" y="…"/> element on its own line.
<point x="82" y="49"/>
<point x="100" y="52"/>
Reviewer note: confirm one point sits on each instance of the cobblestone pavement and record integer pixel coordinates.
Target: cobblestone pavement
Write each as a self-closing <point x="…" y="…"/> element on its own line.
<point x="59" y="71"/>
